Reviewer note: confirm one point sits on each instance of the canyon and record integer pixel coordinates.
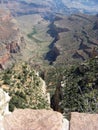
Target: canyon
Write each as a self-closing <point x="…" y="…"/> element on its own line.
<point x="75" y="38"/>
<point x="46" y="34"/>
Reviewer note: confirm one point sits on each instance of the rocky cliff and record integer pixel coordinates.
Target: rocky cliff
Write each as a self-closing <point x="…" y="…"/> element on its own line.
<point x="10" y="37"/>
<point x="27" y="119"/>
<point x="75" y="38"/>
<point x="26" y="88"/>
<point x="4" y="103"/>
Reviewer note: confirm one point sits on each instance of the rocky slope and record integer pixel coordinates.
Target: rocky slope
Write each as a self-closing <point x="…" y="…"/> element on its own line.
<point x="11" y="39"/>
<point x="75" y="37"/>
<point x="70" y="38"/>
<point x="27" y="119"/>
<point x="26" y="88"/>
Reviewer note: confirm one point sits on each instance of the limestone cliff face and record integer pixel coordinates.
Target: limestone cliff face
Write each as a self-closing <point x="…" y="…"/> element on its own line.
<point x="10" y="37"/>
<point x="4" y="100"/>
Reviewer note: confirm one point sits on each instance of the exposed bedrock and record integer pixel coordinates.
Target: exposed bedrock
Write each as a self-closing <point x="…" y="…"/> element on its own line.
<point x="11" y="40"/>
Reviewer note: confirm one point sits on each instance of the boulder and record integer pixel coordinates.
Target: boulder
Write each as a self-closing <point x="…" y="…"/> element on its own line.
<point x="29" y="119"/>
<point x="83" y="121"/>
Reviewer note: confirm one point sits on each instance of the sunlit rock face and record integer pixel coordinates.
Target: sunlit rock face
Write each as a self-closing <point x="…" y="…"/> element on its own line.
<point x="4" y="100"/>
<point x="28" y="119"/>
<point x="83" y="121"/>
<point x="10" y="37"/>
<point x="4" y="109"/>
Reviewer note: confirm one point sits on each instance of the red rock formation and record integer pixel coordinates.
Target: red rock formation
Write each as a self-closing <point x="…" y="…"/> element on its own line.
<point x="83" y="121"/>
<point x="13" y="47"/>
<point x="4" y="58"/>
<point x="10" y="37"/>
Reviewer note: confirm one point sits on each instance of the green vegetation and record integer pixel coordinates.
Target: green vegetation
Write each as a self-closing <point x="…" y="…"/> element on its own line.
<point x="76" y="87"/>
<point x="80" y="91"/>
<point x="32" y="33"/>
<point x="31" y="36"/>
<point x="73" y="88"/>
<point x="25" y="88"/>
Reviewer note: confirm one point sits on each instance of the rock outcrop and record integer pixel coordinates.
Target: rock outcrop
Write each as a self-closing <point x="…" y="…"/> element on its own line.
<point x="83" y="121"/>
<point x="4" y="103"/>
<point x="26" y="88"/>
<point x="29" y="119"/>
<point x="4" y="100"/>
<point x="34" y="120"/>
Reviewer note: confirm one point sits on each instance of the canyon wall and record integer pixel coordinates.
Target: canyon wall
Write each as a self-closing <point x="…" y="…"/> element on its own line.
<point x="11" y="39"/>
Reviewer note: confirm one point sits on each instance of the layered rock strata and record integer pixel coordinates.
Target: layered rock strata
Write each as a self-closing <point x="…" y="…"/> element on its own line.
<point x="10" y="37"/>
